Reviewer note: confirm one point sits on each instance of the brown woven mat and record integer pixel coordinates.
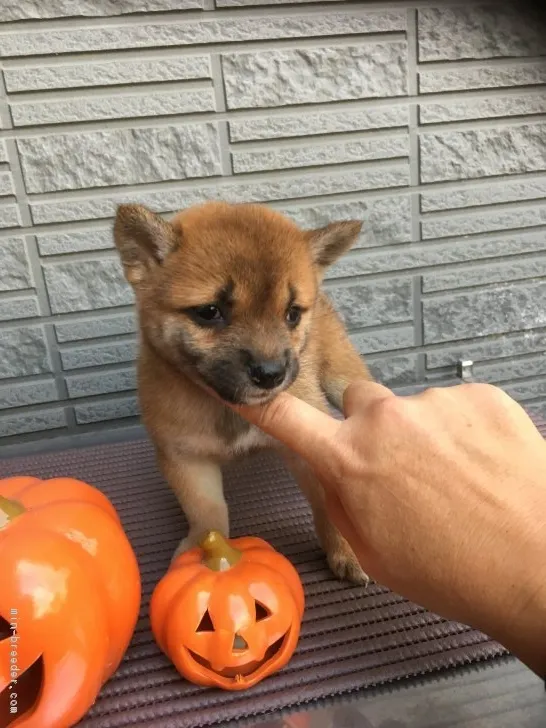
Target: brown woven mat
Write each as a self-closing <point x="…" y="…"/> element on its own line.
<point x="352" y="638"/>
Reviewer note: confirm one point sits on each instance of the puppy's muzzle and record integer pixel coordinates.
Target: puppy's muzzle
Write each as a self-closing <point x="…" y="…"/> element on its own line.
<point x="267" y="373"/>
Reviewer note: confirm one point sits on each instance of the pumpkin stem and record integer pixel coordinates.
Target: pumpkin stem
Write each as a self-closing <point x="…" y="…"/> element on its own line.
<point x="219" y="555"/>
<point x="9" y="510"/>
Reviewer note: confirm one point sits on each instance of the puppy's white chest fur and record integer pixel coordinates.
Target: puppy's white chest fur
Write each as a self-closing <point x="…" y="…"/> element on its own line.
<point x="252" y="439"/>
<point x="212" y="446"/>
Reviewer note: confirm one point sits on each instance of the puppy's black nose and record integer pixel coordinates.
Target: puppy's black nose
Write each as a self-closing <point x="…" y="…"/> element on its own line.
<point x="267" y="373"/>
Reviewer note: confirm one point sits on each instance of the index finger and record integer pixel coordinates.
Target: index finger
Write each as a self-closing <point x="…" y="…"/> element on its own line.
<point x="361" y="394"/>
<point x="302" y="428"/>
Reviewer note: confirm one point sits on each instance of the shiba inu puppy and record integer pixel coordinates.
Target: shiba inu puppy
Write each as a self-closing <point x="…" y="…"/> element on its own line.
<point x="229" y="301"/>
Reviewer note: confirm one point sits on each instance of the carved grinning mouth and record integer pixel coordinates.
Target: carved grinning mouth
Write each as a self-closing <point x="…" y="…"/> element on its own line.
<point x="25" y="693"/>
<point x="231" y="672"/>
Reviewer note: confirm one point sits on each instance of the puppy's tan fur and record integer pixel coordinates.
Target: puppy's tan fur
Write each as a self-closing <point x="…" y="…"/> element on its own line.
<point x="266" y="264"/>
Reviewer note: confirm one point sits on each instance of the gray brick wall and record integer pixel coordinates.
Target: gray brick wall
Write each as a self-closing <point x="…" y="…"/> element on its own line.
<point x="426" y="120"/>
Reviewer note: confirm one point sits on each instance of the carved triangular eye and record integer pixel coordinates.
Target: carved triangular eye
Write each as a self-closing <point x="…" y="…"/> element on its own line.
<point x="5" y="629"/>
<point x="262" y="612"/>
<point x="206" y="625"/>
<point x="239" y="643"/>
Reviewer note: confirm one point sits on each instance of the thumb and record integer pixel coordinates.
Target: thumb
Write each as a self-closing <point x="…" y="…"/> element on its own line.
<point x="302" y="428"/>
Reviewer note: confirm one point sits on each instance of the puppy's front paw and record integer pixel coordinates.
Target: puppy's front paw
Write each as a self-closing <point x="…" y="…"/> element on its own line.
<point x="345" y="566"/>
<point x="190" y="542"/>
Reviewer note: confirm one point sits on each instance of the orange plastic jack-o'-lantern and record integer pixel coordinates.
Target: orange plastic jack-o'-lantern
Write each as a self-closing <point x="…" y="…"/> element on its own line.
<point x="69" y="599"/>
<point x="228" y="614"/>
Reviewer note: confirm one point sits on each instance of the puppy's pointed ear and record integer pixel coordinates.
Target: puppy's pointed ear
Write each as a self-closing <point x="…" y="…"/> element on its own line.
<point x="143" y="239"/>
<point x="330" y="242"/>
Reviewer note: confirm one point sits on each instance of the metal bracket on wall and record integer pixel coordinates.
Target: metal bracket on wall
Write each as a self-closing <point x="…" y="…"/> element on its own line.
<point x="465" y="370"/>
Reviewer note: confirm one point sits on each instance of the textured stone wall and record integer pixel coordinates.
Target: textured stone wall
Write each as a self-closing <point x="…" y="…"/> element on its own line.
<point x="427" y="122"/>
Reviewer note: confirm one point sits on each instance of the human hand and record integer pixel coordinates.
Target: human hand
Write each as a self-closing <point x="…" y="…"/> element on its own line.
<point x="441" y="495"/>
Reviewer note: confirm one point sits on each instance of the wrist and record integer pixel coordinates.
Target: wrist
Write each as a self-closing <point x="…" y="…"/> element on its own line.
<point x="523" y="629"/>
<point x="517" y="619"/>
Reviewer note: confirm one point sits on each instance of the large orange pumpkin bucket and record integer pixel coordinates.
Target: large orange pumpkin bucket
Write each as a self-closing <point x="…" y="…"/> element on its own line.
<point x="69" y="599"/>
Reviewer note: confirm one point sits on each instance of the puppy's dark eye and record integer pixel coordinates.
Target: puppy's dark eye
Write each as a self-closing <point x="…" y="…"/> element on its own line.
<point x="208" y="315"/>
<point x="293" y="316"/>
